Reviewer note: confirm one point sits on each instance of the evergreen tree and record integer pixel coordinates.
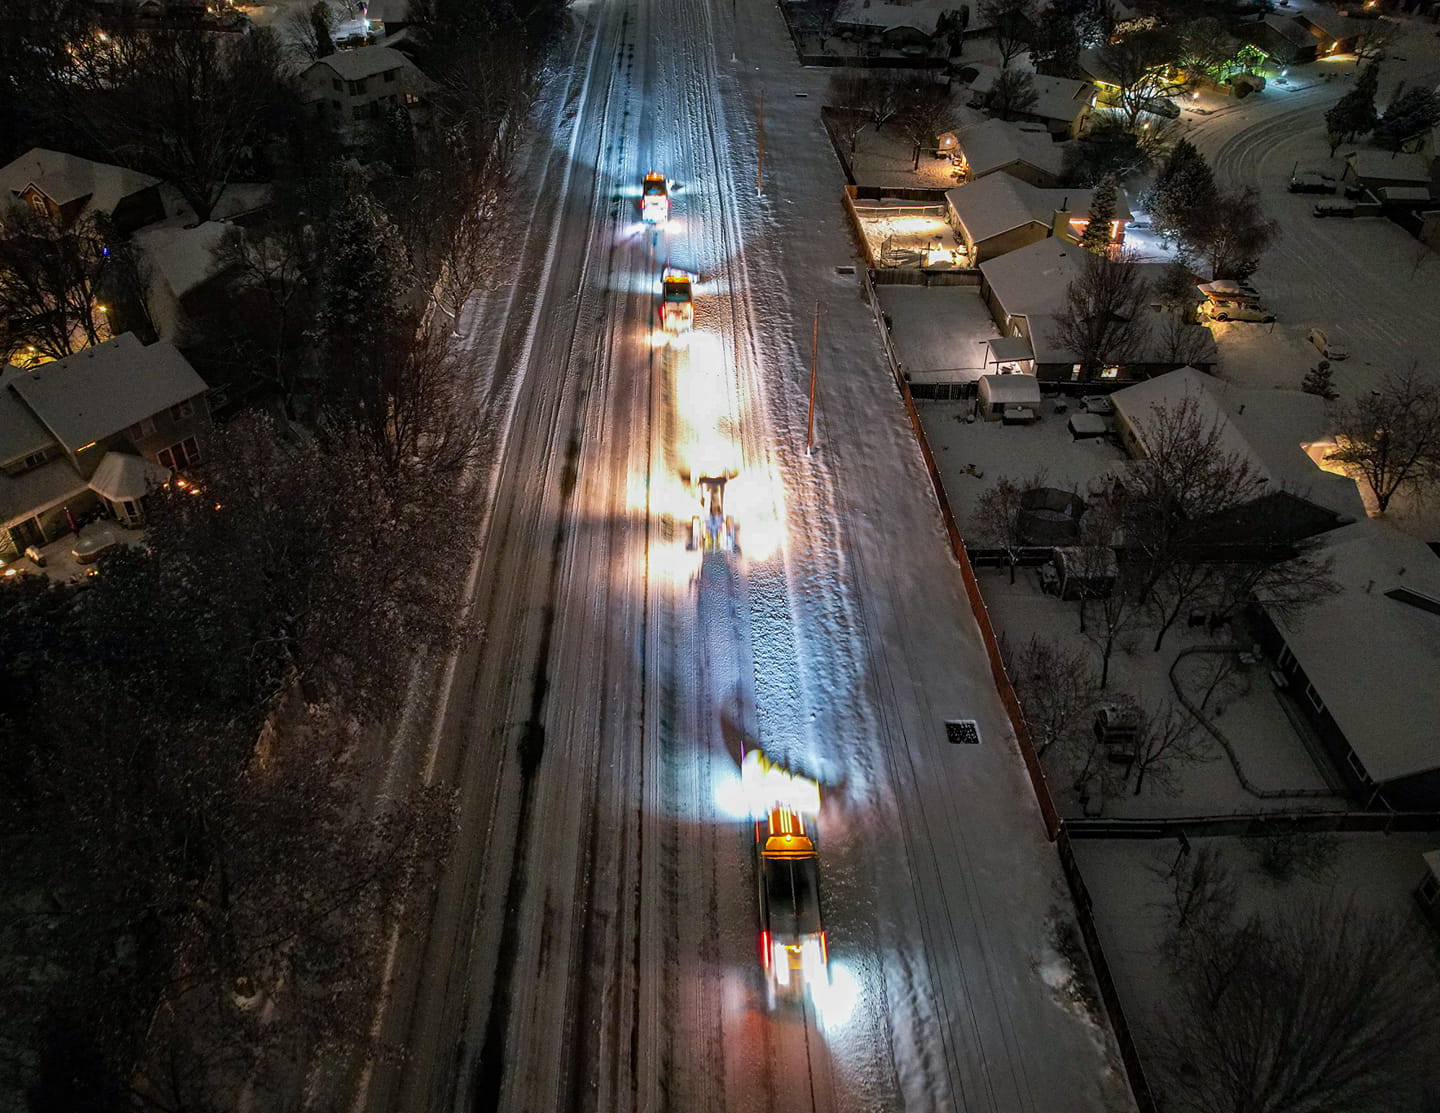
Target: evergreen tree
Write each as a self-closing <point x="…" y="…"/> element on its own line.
<point x="365" y="278"/>
<point x="1184" y="189"/>
<point x="1097" y="238"/>
<point x="1354" y="113"/>
<point x="1410" y="112"/>
<point x="1318" y="381"/>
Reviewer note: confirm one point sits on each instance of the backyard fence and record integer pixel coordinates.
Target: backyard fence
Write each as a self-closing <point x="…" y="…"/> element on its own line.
<point x="1254" y="825"/>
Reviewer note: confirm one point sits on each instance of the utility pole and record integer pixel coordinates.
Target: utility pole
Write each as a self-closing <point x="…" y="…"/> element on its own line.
<point x="814" y="360"/>
<point x="760" y="172"/>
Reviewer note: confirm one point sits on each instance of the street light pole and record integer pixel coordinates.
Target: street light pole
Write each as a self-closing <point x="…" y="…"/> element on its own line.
<point x="814" y="360"/>
<point x="760" y="172"/>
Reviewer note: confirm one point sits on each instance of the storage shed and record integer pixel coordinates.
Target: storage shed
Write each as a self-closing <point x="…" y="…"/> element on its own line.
<point x="999" y="391"/>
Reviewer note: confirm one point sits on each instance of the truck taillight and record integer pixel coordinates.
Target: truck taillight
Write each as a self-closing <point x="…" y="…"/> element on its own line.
<point x="765" y="949"/>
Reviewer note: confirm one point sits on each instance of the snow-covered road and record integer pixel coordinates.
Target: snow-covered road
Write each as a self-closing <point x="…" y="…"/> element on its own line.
<point x="592" y="943"/>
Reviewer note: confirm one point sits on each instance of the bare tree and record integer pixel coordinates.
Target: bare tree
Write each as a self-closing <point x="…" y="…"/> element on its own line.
<point x="929" y="111"/>
<point x="1375" y="40"/>
<point x="1012" y="22"/>
<point x="1095" y="565"/>
<point x="1185" y="474"/>
<point x="882" y="95"/>
<point x="49" y="273"/>
<point x="310" y="31"/>
<point x="1390" y="438"/>
<point x="1313" y="1007"/>
<point x="1115" y="612"/>
<point x="845" y="113"/>
<point x="190" y="108"/>
<point x="998" y="517"/>
<point x="1012" y="94"/>
<point x="1057" y="690"/>
<point x="271" y="274"/>
<point x="1103" y="322"/>
<point x="1233" y="233"/>
<point x="1139" y="62"/>
<point x="1169" y="741"/>
<point x="1179" y="340"/>
<point x="1284" y="852"/>
<point x="1200" y="890"/>
<point x="1083" y="757"/>
<point x="1284" y="588"/>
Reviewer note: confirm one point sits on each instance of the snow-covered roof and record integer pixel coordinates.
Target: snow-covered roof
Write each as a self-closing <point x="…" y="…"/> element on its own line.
<point x="1021" y="390"/>
<point x="33" y="491"/>
<point x="1056" y="98"/>
<point x="1136" y="406"/>
<point x="1371" y="163"/>
<point x="997" y="203"/>
<point x="1032" y="279"/>
<point x="122" y="475"/>
<point x="1404" y="194"/>
<point x="366" y="61"/>
<point x="184" y="256"/>
<point x="388" y="11"/>
<point x="1372" y="658"/>
<point x="1277" y="424"/>
<point x="65" y="178"/>
<point x="1003" y="348"/>
<point x="106" y="388"/>
<point x="1290" y="29"/>
<point x="923" y="15"/>
<point x="20" y="433"/>
<point x="1332" y="24"/>
<point x="996" y="144"/>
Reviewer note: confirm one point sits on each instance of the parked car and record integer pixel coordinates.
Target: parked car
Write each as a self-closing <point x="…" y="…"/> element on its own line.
<point x="1229" y="289"/>
<point x="1328" y="343"/>
<point x="1226" y="310"/>
<point x="1311" y="181"/>
<point x="1334" y="208"/>
<point x="1161" y="106"/>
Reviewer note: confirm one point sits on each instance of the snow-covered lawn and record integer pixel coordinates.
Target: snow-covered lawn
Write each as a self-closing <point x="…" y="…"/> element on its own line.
<point x="942" y="328"/>
<point x="1125" y="880"/>
<point x="903" y="233"/>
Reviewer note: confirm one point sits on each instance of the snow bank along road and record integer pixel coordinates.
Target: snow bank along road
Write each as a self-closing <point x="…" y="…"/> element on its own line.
<point x="592" y="943"/>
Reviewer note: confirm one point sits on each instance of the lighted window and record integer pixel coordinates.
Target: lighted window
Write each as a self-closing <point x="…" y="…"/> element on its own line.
<point x="177" y="457"/>
<point x="1110" y="373"/>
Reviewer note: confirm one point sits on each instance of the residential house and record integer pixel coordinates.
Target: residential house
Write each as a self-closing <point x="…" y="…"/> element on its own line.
<point x="1025" y="291"/>
<point x="1294" y="499"/>
<point x="1358" y="667"/>
<point x="1062" y="104"/>
<point x="1287" y="39"/>
<point x="181" y="277"/>
<point x="917" y="28"/>
<point x="1376" y="169"/>
<point x="99" y="428"/>
<point x="1000" y="213"/>
<point x="66" y="187"/>
<point x="353" y="87"/>
<point x="1333" y="33"/>
<point x="1024" y="151"/>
